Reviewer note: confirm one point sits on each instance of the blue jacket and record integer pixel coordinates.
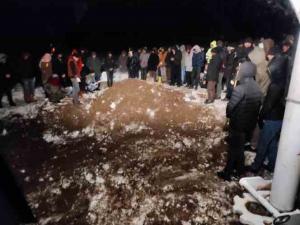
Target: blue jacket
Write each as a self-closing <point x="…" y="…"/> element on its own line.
<point x="198" y="59"/>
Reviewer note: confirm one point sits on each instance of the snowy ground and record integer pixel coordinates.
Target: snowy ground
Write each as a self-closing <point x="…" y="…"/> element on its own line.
<point x="137" y="154"/>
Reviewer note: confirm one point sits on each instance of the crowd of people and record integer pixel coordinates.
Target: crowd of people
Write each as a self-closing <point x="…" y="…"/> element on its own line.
<point x="255" y="75"/>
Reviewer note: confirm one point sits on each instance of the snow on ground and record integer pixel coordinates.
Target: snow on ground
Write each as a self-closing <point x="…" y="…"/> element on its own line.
<point x="138" y="154"/>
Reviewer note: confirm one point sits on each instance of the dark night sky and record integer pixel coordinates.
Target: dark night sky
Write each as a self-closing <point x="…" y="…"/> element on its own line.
<point x="117" y="24"/>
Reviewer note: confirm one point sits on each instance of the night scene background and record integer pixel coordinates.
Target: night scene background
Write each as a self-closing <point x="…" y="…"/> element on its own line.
<point x="118" y="24"/>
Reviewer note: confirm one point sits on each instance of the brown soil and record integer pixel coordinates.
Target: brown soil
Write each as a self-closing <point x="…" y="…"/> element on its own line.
<point x="150" y="157"/>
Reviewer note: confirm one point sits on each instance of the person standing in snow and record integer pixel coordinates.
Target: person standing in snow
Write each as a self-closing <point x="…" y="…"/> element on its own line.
<point x="6" y="80"/>
<point x="183" y="55"/>
<point x="26" y="71"/>
<point x="168" y="65"/>
<point x="153" y="64"/>
<point x="175" y="61"/>
<point x="110" y="66"/>
<point x="74" y="75"/>
<point x="242" y="111"/>
<point x="94" y="65"/>
<point x="197" y="64"/>
<point x="133" y="64"/>
<point x="162" y="65"/>
<point x="144" y="57"/>
<point x="229" y="70"/>
<point x="123" y="58"/>
<point x="213" y="71"/>
<point x="60" y="68"/>
<point x="188" y="65"/>
<point x="272" y="112"/>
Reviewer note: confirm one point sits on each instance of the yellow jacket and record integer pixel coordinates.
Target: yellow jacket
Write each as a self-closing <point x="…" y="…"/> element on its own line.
<point x="213" y="45"/>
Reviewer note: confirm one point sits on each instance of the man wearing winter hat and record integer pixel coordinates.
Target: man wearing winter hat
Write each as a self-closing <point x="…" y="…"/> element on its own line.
<point x="242" y="111"/>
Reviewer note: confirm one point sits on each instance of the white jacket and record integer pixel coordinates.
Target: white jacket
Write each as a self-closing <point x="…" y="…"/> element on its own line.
<point x="188" y="62"/>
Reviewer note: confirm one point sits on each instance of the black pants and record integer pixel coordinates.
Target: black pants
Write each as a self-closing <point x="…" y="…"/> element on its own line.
<point x="176" y="75"/>
<point x="7" y="92"/>
<point x="110" y="78"/>
<point x="196" y="77"/>
<point x="144" y="73"/>
<point x="188" y="78"/>
<point x="236" y="157"/>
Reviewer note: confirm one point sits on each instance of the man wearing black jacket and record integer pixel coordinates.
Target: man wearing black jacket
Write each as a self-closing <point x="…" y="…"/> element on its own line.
<point x="175" y="61"/>
<point x="242" y="111"/>
<point x="272" y="113"/>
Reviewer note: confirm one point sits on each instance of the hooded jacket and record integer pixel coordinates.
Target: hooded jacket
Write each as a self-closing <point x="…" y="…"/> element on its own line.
<point x="243" y="107"/>
<point x="258" y="57"/>
<point x="213" y="45"/>
<point x="46" y="67"/>
<point x="214" y="68"/>
<point x="198" y="57"/>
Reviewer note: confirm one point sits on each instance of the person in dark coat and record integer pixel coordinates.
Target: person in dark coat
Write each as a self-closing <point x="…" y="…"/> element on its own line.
<point x="212" y="76"/>
<point x="175" y="60"/>
<point x="168" y="65"/>
<point x="272" y="113"/>
<point x="110" y="66"/>
<point x="153" y="62"/>
<point x="27" y="74"/>
<point x="6" y="80"/>
<point x="197" y="63"/>
<point x="229" y="70"/>
<point x="133" y="65"/>
<point x="242" y="111"/>
<point x="60" y="68"/>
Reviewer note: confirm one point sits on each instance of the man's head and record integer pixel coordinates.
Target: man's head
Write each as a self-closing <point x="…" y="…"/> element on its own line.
<point x="246" y="70"/>
<point x="273" y="52"/>
<point x="130" y="53"/>
<point x="286" y="46"/>
<point x="109" y="55"/>
<point x="248" y="43"/>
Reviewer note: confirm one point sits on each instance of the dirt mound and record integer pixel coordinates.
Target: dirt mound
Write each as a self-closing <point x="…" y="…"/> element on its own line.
<point x="135" y="154"/>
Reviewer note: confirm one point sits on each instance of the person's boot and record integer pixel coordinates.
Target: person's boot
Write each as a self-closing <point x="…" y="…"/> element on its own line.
<point x="224" y="176"/>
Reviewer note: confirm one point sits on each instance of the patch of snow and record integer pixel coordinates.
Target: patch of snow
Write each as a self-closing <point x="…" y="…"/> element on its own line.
<point x="50" y="138"/>
<point x="151" y="113"/>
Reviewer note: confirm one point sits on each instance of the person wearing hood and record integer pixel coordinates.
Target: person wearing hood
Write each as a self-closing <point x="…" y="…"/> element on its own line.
<point x="197" y="64"/>
<point x="272" y="112"/>
<point x="144" y="57"/>
<point x="182" y="48"/>
<point x="242" y="111"/>
<point x="258" y="57"/>
<point x="133" y="64"/>
<point x="46" y="67"/>
<point x="153" y="64"/>
<point x="94" y="65"/>
<point x="26" y="71"/>
<point x="175" y="61"/>
<point x="6" y="80"/>
<point x="110" y="66"/>
<point x="213" y="45"/>
<point x="212" y="76"/>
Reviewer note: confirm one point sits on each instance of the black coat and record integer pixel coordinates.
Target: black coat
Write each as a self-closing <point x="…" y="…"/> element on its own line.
<point x="109" y="64"/>
<point x="153" y="62"/>
<point x="59" y="67"/>
<point x="133" y="63"/>
<point x="274" y="103"/>
<point x="243" y="107"/>
<point x="230" y="66"/>
<point x="213" y="68"/>
<point x="26" y="69"/>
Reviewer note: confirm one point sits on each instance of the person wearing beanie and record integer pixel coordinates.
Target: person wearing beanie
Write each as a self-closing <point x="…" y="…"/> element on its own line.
<point x="242" y="111"/>
<point x="272" y="112"/>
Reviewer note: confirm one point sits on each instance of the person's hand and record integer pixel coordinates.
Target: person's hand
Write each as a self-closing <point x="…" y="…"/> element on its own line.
<point x="63" y="76"/>
<point x="8" y="76"/>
